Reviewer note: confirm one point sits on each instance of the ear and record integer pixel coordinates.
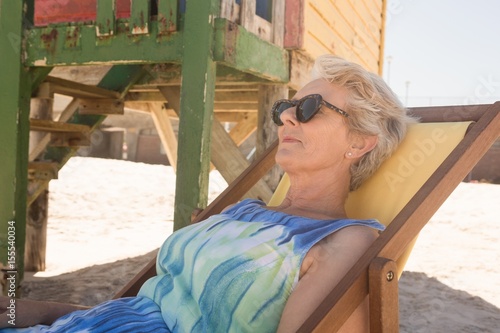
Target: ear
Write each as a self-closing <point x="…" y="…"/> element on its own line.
<point x="361" y="145"/>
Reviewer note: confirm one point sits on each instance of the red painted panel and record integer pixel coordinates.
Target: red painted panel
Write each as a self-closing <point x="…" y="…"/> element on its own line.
<point x="57" y="11"/>
<point x="294" y="24"/>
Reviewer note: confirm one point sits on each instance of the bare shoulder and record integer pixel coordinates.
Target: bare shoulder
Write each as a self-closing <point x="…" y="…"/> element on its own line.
<point x="350" y="238"/>
<point x="343" y="247"/>
<point x="356" y="235"/>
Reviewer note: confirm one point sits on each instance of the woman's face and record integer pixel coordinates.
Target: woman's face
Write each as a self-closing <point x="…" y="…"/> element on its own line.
<point x="323" y="141"/>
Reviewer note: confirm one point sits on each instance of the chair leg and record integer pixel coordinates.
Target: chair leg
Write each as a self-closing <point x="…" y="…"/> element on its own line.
<point x="383" y="291"/>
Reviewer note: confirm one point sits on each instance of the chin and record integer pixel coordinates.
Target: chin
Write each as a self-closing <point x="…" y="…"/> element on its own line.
<point x="285" y="158"/>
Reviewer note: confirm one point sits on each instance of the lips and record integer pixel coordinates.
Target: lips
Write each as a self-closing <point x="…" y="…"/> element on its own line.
<point x="289" y="139"/>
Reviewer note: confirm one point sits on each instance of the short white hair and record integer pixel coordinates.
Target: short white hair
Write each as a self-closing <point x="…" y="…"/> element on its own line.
<point x="373" y="109"/>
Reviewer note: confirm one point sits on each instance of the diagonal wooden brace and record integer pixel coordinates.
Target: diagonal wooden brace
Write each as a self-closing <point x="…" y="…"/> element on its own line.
<point x="384" y="304"/>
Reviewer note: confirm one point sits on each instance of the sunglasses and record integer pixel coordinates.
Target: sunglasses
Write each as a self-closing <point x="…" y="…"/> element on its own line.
<point x="305" y="108"/>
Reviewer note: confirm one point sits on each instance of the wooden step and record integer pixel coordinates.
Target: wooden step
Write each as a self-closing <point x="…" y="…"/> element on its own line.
<point x="56" y="126"/>
<point x="101" y="106"/>
<point x="42" y="170"/>
<point x="79" y="90"/>
<point x="63" y="134"/>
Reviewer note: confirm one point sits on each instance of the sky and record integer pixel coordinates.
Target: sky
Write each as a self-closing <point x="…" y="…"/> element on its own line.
<point x="443" y="52"/>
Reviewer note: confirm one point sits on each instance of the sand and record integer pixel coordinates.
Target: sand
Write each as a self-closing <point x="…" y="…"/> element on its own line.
<point x="107" y="218"/>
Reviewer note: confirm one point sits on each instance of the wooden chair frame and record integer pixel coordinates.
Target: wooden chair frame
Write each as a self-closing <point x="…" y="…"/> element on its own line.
<point x="375" y="271"/>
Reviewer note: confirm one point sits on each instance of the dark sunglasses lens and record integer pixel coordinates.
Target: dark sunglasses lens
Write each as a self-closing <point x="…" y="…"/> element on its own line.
<point x="278" y="109"/>
<point x="308" y="109"/>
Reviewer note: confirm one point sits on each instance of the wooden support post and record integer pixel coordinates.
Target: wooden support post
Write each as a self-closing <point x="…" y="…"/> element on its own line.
<point x="230" y="162"/>
<point x="196" y="105"/>
<point x="36" y="233"/>
<point x="37" y="214"/>
<point x="15" y="91"/>
<point x="244" y="128"/>
<point x="165" y="130"/>
<point x="384" y="303"/>
<point x="267" y="131"/>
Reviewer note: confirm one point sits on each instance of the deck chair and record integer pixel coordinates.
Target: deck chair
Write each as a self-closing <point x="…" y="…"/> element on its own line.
<point x="405" y="192"/>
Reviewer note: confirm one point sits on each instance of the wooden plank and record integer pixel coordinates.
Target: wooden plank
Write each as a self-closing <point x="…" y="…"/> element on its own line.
<point x="230" y="162"/>
<point x="69" y="139"/>
<point x="278" y="22"/>
<point x="165" y="131"/>
<point x="167" y="16"/>
<point x="37" y="213"/>
<point x="345" y="32"/>
<point x="232" y="117"/>
<point x="36" y="233"/>
<point x="42" y="170"/>
<point x="264" y="29"/>
<point x="105" y="18"/>
<point x="101" y="106"/>
<point x="248" y="15"/>
<point x="300" y="69"/>
<point x="139" y="17"/>
<point x="44" y="49"/>
<point x="235" y="47"/>
<point x="44" y="142"/>
<point x="54" y="126"/>
<point x="235" y="106"/>
<point x="230" y="10"/>
<point x="294" y="24"/>
<point x="384" y="304"/>
<point x="149" y="96"/>
<point x="381" y="58"/>
<point x="352" y="289"/>
<point x="244" y="128"/>
<point x="75" y="89"/>
<point x="237" y="95"/>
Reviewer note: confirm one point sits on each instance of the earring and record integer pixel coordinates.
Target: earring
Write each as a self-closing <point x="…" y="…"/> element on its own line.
<point x="349" y="154"/>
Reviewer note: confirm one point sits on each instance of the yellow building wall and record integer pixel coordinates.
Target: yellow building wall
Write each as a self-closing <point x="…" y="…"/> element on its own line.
<point x="352" y="29"/>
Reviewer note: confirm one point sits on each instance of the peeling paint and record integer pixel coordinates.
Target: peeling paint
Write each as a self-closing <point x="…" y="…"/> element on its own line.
<point x="140" y="30"/>
<point x="41" y="62"/>
<point x="205" y="89"/>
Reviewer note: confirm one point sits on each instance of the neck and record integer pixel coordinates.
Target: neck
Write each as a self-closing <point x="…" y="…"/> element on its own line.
<point x="316" y="196"/>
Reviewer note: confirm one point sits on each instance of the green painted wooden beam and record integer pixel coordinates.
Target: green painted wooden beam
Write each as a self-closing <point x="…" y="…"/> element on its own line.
<point x="167" y="16"/>
<point x="196" y="111"/>
<point x="78" y="44"/>
<point x="105" y="18"/>
<point x="15" y="93"/>
<point x="170" y="74"/>
<point x="140" y="17"/>
<point x="237" y="48"/>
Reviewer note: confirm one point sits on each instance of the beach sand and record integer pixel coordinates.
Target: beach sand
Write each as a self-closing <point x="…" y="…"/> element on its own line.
<point x="108" y="217"/>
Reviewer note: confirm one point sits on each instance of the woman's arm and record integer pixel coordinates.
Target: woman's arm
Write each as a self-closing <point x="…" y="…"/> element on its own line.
<point x="324" y="266"/>
<point x="29" y="313"/>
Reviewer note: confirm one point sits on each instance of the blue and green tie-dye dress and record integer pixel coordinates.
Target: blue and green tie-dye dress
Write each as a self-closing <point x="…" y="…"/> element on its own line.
<point x="231" y="273"/>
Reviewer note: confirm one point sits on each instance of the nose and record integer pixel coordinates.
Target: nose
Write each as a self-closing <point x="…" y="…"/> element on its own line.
<point x="289" y="116"/>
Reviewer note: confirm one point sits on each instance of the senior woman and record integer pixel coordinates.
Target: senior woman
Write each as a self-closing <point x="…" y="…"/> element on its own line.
<point x="255" y="268"/>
